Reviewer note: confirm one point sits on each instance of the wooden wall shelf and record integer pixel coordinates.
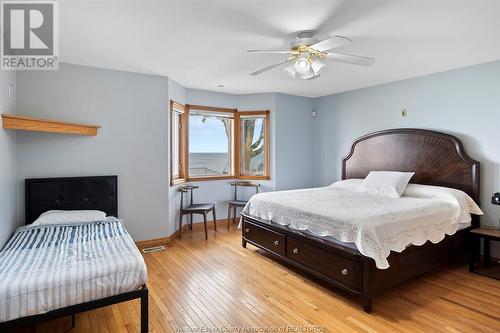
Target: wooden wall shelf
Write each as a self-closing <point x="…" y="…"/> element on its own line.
<point x="43" y="125"/>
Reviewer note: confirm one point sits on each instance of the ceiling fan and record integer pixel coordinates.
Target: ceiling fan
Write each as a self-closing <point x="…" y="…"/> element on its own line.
<point x="307" y="55"/>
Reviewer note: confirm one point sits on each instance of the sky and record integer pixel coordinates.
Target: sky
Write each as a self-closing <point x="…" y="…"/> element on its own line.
<point x="210" y="137"/>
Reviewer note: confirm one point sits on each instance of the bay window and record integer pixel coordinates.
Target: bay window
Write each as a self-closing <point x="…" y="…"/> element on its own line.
<point x="209" y="143"/>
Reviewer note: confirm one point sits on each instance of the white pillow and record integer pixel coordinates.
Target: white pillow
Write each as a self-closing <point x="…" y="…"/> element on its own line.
<point x="386" y="183"/>
<point x="53" y="217"/>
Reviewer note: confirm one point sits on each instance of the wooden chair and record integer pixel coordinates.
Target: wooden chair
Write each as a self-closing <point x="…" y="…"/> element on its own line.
<point x="201" y="208"/>
<point x="239" y="203"/>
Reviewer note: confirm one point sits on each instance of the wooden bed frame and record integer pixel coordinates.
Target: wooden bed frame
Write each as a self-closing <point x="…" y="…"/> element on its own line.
<point x="436" y="158"/>
<point x="73" y="193"/>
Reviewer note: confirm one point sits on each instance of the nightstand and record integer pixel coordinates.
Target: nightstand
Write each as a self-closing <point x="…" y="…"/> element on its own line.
<point x="485" y="267"/>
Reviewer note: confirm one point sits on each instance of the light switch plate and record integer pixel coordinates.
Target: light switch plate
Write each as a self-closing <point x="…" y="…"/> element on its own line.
<point x="10" y="89"/>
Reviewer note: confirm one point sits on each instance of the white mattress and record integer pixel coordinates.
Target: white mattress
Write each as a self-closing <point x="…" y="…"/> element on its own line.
<point x="376" y="224"/>
<point x="49" y="267"/>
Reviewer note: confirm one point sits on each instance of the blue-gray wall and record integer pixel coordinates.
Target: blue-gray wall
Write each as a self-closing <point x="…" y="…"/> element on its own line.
<point x="8" y="161"/>
<point x="294" y="142"/>
<point x="132" y="143"/>
<point x="463" y="102"/>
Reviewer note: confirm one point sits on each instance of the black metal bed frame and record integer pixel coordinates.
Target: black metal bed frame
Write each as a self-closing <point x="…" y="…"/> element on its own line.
<point x="97" y="192"/>
<point x="82" y="307"/>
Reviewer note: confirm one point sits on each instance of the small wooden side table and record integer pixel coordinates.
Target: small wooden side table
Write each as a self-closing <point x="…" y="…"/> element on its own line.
<point x="485" y="267"/>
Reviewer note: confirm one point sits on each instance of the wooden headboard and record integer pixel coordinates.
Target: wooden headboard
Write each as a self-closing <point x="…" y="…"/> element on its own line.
<point x="71" y="193"/>
<point x="436" y="158"/>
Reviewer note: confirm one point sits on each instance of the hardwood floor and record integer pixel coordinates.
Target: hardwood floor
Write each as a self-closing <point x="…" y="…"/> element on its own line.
<point x="197" y="285"/>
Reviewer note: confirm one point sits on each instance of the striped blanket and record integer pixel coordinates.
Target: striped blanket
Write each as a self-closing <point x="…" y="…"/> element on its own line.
<point x="50" y="267"/>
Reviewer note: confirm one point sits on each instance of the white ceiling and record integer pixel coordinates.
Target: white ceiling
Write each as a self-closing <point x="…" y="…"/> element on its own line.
<point x="202" y="44"/>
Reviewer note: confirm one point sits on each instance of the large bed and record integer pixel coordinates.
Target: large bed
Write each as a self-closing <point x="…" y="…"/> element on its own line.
<point x="53" y="270"/>
<point x="392" y="240"/>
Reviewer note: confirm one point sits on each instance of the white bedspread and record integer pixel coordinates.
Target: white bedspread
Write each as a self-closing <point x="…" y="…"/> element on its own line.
<point x="50" y="267"/>
<point x="376" y="224"/>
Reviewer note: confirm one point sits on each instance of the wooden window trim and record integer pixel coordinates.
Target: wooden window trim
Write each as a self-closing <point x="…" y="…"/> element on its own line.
<point x="267" y="175"/>
<point x="176" y="105"/>
<point x="209" y="108"/>
<point x="235" y="142"/>
<point x="234" y="139"/>
<point x="205" y="178"/>
<point x="182" y="146"/>
<point x="178" y="181"/>
<point x="254" y="177"/>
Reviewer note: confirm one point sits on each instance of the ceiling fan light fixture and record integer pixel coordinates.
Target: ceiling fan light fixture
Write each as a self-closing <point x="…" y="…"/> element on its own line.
<point x="313" y="77"/>
<point x="302" y="65"/>
<point x="307" y="55"/>
<point x="290" y="71"/>
<point x="307" y="76"/>
<point x="317" y="66"/>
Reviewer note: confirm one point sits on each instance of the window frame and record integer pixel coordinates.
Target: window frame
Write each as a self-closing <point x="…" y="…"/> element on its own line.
<point x="266" y="115"/>
<point x="233" y="140"/>
<point x="179" y="108"/>
<point x="235" y="149"/>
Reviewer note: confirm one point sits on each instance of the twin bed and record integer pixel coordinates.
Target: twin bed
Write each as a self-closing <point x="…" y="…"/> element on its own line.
<point x="49" y="271"/>
<point x="366" y="243"/>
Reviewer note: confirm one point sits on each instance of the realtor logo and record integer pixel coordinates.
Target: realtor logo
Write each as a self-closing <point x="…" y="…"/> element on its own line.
<point x="30" y="35"/>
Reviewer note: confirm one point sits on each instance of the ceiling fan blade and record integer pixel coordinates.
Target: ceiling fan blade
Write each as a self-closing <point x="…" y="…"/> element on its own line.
<point x="351" y="59"/>
<point x="270" y="51"/>
<point x="269" y="67"/>
<point x="330" y="43"/>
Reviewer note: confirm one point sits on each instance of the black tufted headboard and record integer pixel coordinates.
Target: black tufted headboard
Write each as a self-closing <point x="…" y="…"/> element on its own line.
<point x="71" y="193"/>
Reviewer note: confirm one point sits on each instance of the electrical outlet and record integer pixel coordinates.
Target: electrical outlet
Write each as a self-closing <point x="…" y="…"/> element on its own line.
<point x="404" y="113"/>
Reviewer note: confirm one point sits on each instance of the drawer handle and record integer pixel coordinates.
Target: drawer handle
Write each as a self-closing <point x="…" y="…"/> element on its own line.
<point x="295" y="250"/>
<point x="276" y="243"/>
<point x="345" y="271"/>
<point x="247" y="230"/>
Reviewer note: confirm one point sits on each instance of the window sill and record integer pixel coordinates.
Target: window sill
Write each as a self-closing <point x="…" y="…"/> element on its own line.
<point x="177" y="181"/>
<point x="197" y="179"/>
<point x="209" y="178"/>
<point x="250" y="177"/>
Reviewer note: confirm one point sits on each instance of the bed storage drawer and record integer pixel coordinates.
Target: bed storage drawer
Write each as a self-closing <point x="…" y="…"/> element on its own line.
<point x="271" y="240"/>
<point x="346" y="271"/>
